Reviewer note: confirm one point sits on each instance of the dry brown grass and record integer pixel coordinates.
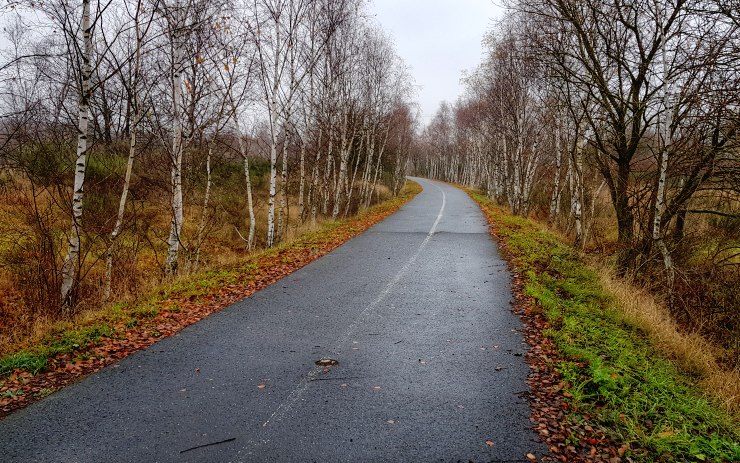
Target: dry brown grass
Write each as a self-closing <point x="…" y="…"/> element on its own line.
<point x="690" y="351"/>
<point x="136" y="272"/>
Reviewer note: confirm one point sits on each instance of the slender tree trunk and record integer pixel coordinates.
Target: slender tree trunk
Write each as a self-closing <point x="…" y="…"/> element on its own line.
<point x="173" y="241"/>
<point x="530" y="170"/>
<point x="250" y="201"/>
<point x="313" y="193"/>
<point x="132" y="126"/>
<point x="516" y="185"/>
<point x="302" y="184"/>
<point x="625" y="217"/>
<point x="273" y="184"/>
<point x="200" y="236"/>
<point x="343" y="155"/>
<point x="369" y="160"/>
<point x="121" y="206"/>
<point x="594" y="199"/>
<point x="327" y="175"/>
<point x="354" y="177"/>
<point x="577" y="191"/>
<point x="72" y="259"/>
<point x="378" y="169"/>
<point x="662" y="171"/>
<point x="282" y="224"/>
<point x="273" y="110"/>
<point x="555" y="197"/>
<point x="678" y="231"/>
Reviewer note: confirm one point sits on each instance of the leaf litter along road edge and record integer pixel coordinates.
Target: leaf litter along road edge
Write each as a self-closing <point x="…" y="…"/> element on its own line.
<point x="125" y="329"/>
<point x="548" y="401"/>
<point x="571" y="428"/>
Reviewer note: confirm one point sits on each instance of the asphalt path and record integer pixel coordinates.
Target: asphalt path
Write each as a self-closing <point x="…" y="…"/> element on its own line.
<point x="416" y="311"/>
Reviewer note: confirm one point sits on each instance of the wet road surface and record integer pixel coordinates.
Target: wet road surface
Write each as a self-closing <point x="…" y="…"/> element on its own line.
<point x="416" y="313"/>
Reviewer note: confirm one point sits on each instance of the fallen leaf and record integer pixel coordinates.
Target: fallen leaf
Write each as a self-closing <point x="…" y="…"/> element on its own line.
<point x="261" y="386"/>
<point x="489" y="443"/>
<point x="531" y="457"/>
<point x="326" y="362"/>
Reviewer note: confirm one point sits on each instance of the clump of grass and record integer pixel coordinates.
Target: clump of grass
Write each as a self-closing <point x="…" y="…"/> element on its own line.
<point x="32" y="362"/>
<point x="611" y="356"/>
<point x="66" y="340"/>
<point x="145" y="312"/>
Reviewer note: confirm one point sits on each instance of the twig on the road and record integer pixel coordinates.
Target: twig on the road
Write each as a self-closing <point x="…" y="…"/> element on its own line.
<point x="333" y="379"/>
<point x="209" y="444"/>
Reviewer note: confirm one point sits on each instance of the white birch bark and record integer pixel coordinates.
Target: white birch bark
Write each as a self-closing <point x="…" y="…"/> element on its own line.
<point x="72" y="259"/>
<point x="665" y="138"/>
<point x="272" y="107"/>
<point x="273" y="174"/>
<point x="283" y="186"/>
<point x="302" y="181"/>
<point x="176" y="204"/>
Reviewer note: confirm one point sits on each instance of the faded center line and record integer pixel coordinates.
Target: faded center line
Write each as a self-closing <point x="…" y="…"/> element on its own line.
<point x="363" y="317"/>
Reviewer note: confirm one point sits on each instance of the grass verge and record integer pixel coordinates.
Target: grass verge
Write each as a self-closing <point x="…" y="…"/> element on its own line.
<point x="613" y="374"/>
<point x="101" y="337"/>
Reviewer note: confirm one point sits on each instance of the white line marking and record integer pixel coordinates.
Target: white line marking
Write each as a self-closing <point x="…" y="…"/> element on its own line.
<point x="363" y="317"/>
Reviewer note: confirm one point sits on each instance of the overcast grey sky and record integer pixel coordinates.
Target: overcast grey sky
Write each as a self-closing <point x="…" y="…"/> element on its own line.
<point x="438" y="39"/>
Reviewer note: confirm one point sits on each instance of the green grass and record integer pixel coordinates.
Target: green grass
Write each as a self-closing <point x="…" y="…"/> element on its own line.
<point x="616" y="378"/>
<point x="32" y="362"/>
<point x="65" y="341"/>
